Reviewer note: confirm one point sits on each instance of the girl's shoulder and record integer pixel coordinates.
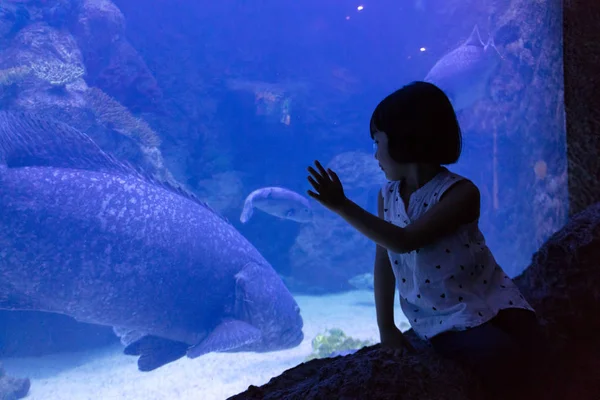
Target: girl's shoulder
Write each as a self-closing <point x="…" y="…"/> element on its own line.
<point x="449" y="174"/>
<point x="448" y="179"/>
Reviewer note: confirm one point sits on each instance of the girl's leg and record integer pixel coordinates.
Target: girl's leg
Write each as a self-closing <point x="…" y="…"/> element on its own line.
<point x="522" y="325"/>
<point x="535" y="352"/>
<point x="492" y="353"/>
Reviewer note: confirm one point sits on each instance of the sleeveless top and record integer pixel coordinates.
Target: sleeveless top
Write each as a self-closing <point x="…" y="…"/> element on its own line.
<point x="454" y="283"/>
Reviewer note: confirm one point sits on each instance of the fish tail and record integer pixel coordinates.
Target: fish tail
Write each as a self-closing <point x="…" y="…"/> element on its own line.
<point x="247" y="211"/>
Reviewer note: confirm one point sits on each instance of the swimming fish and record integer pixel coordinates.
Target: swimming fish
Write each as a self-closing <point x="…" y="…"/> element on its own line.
<point x="280" y="202"/>
<point x="464" y="73"/>
<point x="85" y="235"/>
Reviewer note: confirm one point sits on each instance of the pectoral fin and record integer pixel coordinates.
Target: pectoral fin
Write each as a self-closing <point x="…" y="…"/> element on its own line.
<point x="128" y="336"/>
<point x="154" y="351"/>
<point x="227" y="336"/>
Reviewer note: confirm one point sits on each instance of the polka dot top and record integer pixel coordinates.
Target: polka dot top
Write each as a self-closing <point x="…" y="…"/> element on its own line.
<point x="453" y="284"/>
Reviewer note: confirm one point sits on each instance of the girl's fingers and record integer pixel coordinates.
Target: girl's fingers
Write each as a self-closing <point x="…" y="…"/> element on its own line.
<point x="320" y="167"/>
<point x="334" y="177"/>
<point x="314" y="195"/>
<point x="314" y="183"/>
<point x="315" y="174"/>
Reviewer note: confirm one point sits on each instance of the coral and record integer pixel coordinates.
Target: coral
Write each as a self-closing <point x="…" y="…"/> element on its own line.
<point x="9" y="76"/>
<point x="112" y="114"/>
<point x="334" y="342"/>
<point x="57" y="73"/>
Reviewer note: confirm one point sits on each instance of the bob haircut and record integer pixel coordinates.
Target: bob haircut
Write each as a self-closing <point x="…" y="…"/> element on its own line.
<point x="420" y="124"/>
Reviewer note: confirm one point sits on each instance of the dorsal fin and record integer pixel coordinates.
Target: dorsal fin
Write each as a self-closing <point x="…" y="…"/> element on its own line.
<point x="475" y="38"/>
<point x="30" y="140"/>
<point x="491" y="46"/>
<point x="179" y="189"/>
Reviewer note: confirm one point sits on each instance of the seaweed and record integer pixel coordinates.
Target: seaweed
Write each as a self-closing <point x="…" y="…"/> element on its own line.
<point x="334" y="342"/>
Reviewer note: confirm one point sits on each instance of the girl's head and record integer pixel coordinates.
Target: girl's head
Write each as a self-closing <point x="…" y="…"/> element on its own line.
<point x="415" y="125"/>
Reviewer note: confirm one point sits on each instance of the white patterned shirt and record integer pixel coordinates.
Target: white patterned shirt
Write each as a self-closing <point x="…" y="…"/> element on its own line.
<point x="454" y="283"/>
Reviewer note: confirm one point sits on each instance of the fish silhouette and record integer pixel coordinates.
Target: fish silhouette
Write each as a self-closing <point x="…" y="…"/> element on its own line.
<point x="464" y="73"/>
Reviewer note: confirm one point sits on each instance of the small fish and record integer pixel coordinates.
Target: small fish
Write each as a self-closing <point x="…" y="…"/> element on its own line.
<point x="464" y="73"/>
<point x="279" y="202"/>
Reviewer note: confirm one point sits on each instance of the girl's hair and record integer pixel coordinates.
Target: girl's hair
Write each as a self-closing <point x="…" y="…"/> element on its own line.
<point x="420" y="124"/>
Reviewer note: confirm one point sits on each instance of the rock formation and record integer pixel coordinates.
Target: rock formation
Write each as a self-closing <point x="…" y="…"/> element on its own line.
<point x="581" y="41"/>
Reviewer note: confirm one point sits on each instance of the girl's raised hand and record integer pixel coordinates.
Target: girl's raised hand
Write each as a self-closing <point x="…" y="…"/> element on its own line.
<point x="329" y="189"/>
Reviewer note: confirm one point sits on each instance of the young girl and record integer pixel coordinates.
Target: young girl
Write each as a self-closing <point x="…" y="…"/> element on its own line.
<point x="429" y="245"/>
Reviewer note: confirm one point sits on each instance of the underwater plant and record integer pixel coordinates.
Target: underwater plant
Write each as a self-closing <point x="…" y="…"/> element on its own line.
<point x="111" y="113"/>
<point x="334" y="342"/>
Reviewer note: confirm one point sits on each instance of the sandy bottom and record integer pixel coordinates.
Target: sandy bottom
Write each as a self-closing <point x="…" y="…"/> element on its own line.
<point x="108" y="374"/>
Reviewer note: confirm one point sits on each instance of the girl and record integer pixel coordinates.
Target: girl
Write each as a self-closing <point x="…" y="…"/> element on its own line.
<point x="429" y="245"/>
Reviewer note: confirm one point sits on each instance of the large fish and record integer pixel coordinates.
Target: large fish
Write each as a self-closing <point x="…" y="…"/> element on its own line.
<point x="279" y="202"/>
<point x="464" y="73"/>
<point x="84" y="235"/>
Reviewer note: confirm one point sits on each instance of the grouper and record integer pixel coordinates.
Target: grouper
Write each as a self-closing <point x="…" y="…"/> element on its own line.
<point x="91" y="237"/>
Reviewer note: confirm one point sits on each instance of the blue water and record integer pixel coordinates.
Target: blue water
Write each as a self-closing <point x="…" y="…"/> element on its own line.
<point x="245" y="95"/>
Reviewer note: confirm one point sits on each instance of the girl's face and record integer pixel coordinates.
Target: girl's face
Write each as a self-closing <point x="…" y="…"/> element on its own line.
<point x="393" y="170"/>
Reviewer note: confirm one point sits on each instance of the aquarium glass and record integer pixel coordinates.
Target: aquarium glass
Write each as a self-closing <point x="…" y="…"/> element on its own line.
<point x="154" y="176"/>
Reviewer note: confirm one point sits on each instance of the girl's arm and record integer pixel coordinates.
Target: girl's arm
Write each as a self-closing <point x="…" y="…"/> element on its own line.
<point x="459" y="205"/>
<point x="384" y="282"/>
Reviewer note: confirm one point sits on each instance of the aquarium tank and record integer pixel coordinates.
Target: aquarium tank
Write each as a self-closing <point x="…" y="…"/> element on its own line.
<point x="157" y="238"/>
